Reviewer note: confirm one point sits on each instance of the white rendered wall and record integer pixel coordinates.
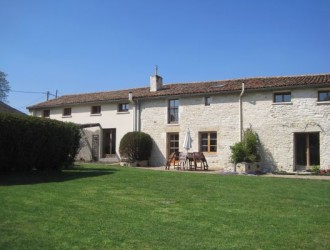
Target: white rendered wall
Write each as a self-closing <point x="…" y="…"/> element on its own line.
<point x="109" y="118"/>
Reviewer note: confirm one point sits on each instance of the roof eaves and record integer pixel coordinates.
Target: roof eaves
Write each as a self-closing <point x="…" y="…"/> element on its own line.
<point x="62" y="104"/>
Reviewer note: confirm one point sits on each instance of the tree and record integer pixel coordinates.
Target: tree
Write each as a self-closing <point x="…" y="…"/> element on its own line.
<point x="4" y="87"/>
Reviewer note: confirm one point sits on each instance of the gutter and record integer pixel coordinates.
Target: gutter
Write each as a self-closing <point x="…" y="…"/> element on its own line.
<point x="241" y="113"/>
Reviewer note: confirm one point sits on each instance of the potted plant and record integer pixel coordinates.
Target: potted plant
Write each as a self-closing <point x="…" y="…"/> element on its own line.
<point x="244" y="154"/>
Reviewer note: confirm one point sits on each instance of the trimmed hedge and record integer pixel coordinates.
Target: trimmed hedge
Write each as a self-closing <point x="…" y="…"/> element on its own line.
<point x="135" y="146"/>
<point x="28" y="143"/>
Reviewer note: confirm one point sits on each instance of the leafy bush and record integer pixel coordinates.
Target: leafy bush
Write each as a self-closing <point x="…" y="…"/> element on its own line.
<point x="135" y="146"/>
<point x="238" y="152"/>
<point x="250" y="141"/>
<point x="316" y="169"/>
<point x="247" y="149"/>
<point x="36" y="143"/>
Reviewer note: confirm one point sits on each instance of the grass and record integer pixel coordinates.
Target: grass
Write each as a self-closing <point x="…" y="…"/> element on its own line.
<point x="107" y="207"/>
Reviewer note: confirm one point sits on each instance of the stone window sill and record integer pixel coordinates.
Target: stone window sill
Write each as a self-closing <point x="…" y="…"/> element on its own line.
<point x="122" y="112"/>
<point x="96" y="115"/>
<point x="323" y="103"/>
<point x="173" y="124"/>
<point x="282" y="103"/>
<point x="66" y="116"/>
<point x="210" y="154"/>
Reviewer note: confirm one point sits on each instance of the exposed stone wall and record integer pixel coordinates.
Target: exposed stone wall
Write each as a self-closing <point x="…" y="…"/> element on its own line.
<point x="153" y="121"/>
<point x="85" y="152"/>
<point x="222" y="117"/>
<point x="275" y="125"/>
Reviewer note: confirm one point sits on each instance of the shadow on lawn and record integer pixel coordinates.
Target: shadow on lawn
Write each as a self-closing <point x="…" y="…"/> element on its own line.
<point x="37" y="177"/>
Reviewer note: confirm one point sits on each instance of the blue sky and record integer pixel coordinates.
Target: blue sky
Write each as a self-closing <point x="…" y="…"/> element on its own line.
<point x="79" y="46"/>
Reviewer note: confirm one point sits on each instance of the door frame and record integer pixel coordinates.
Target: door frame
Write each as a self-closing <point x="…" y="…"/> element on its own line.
<point x="108" y="152"/>
<point x="307" y="149"/>
<point x="168" y="142"/>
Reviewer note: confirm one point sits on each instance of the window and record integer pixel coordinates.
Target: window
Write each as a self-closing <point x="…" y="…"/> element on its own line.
<point x="96" y="110"/>
<point x="173" y="143"/>
<point x="208" y="101"/>
<point x="46" y="113"/>
<point x="173" y="111"/>
<point x="67" y="112"/>
<point x="282" y="97"/>
<point x="123" y="107"/>
<point x="208" y="142"/>
<point x="324" y="96"/>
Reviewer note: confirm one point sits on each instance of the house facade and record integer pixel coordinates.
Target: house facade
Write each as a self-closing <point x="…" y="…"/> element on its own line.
<point x="291" y="116"/>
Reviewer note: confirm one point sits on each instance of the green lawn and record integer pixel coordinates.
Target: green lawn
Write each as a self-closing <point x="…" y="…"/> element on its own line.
<point x="106" y="207"/>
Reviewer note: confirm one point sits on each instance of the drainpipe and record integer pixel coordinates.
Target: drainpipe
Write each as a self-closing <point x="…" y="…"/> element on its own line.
<point x="241" y="113"/>
<point x="130" y="99"/>
<point x="138" y="114"/>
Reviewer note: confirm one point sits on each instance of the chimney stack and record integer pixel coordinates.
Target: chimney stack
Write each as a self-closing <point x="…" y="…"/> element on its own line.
<point x="156" y="82"/>
<point x="130" y="97"/>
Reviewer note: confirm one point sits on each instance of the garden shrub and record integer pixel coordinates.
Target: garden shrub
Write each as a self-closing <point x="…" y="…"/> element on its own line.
<point x="316" y="169"/>
<point x="238" y="152"/>
<point x="247" y="149"/>
<point x="28" y="143"/>
<point x="135" y="146"/>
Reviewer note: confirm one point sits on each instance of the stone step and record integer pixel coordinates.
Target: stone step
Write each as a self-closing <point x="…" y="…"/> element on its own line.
<point x="109" y="160"/>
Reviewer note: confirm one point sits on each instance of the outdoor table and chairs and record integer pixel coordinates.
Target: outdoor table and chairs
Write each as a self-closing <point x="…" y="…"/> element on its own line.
<point x="187" y="161"/>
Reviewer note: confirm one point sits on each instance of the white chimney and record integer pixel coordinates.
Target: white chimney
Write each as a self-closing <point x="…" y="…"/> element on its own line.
<point x="156" y="82"/>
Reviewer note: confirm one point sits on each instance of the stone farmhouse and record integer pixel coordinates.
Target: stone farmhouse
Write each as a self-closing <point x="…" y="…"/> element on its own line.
<point x="290" y="114"/>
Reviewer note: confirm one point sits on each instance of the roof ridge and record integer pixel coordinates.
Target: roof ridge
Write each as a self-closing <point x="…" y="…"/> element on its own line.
<point x="184" y="83"/>
<point x="104" y="91"/>
<point x="247" y="78"/>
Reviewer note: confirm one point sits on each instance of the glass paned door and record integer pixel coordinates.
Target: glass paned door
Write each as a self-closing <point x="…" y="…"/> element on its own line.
<point x="172" y="143"/>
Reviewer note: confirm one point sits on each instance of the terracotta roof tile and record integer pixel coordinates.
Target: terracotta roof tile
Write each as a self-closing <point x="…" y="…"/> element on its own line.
<point x="257" y="83"/>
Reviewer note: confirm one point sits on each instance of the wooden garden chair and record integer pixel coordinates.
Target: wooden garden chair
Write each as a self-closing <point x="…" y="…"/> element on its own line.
<point x="200" y="158"/>
<point x="172" y="159"/>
